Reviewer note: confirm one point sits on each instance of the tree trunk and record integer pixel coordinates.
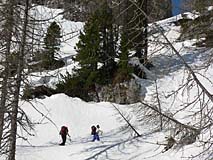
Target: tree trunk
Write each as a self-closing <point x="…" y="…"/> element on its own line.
<point x="142" y="37"/>
<point x="145" y="34"/>
<point x="18" y="80"/>
<point x="8" y="28"/>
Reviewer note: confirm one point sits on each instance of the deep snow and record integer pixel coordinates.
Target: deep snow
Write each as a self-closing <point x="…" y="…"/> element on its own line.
<point x="78" y="115"/>
<point x="117" y="142"/>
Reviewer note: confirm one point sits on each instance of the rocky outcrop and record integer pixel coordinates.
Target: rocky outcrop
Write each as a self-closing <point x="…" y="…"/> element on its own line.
<point x="200" y="28"/>
<point x="122" y="93"/>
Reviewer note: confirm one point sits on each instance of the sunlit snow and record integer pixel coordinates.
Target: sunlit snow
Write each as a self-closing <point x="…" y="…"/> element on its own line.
<point x="79" y="116"/>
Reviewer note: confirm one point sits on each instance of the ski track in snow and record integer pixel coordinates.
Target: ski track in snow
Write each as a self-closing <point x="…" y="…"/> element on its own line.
<point x="116" y="142"/>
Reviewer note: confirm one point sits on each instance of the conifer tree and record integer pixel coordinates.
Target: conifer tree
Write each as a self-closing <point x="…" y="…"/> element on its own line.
<point x="52" y="42"/>
<point x="97" y="46"/>
<point x="88" y="49"/>
<point x="124" y="69"/>
<point x="141" y="32"/>
<point x="137" y="26"/>
<point x="124" y="52"/>
<point x="108" y="40"/>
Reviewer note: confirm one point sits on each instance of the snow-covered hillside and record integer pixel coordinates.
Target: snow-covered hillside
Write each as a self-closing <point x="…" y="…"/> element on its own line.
<point x="117" y="142"/>
<point x="79" y="116"/>
<point x="70" y="31"/>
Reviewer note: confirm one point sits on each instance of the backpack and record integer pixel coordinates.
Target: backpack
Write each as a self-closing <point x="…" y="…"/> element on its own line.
<point x="93" y="130"/>
<point x="64" y="130"/>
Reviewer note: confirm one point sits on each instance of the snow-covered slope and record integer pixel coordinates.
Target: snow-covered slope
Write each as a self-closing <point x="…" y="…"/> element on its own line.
<point x="70" y="31"/>
<point x="79" y="116"/>
<point x="116" y="142"/>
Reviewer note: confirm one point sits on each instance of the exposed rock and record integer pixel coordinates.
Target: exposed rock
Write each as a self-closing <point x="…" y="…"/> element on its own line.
<point x="122" y="93"/>
<point x="199" y="28"/>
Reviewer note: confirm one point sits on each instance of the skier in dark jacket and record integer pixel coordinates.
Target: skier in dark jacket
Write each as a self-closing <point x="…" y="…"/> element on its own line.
<point x="95" y="134"/>
<point x="63" y="132"/>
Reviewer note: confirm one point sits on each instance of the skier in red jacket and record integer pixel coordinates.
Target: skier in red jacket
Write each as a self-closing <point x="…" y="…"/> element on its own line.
<point x="64" y="132"/>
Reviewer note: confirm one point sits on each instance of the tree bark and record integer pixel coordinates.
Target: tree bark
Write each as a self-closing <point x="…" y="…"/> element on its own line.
<point x="8" y="28"/>
<point x="145" y="34"/>
<point x="18" y="80"/>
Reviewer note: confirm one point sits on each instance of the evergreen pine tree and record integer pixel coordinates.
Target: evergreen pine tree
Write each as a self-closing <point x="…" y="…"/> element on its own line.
<point x="137" y="25"/>
<point x="88" y="49"/>
<point x="108" y="41"/>
<point x="141" y="24"/>
<point x="52" y="43"/>
<point x="97" y="46"/>
<point x="124" y="69"/>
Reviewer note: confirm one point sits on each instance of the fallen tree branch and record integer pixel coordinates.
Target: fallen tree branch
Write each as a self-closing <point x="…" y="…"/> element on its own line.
<point x="171" y="119"/>
<point x="129" y="124"/>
